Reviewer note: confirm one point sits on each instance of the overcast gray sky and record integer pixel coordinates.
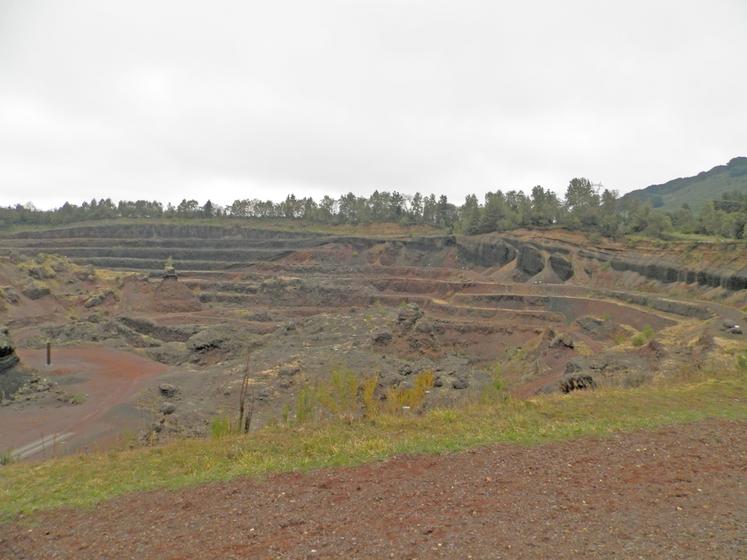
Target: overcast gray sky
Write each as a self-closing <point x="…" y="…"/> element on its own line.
<point x="224" y="100"/>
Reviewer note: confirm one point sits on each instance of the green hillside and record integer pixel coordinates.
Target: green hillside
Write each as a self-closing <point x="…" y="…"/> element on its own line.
<point x="697" y="190"/>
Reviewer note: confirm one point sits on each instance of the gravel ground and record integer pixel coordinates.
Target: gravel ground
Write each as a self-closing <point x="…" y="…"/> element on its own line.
<point x="679" y="492"/>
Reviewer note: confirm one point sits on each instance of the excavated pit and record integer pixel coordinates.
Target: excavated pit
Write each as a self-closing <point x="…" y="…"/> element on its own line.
<point x="545" y="312"/>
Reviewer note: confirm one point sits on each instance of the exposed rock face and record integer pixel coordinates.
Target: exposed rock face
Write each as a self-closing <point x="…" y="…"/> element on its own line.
<point x="666" y="272"/>
<point x="530" y="260"/>
<point x="12" y="375"/>
<point x="485" y="253"/>
<point x="561" y="266"/>
<point x="8" y="358"/>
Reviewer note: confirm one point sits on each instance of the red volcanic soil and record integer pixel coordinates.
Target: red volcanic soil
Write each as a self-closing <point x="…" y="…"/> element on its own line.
<point x="679" y="492"/>
<point x="108" y="378"/>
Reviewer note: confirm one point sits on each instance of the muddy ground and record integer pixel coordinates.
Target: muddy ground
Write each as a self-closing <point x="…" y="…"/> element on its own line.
<point x="676" y="493"/>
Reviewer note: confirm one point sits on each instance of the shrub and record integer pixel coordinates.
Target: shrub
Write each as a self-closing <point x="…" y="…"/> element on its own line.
<point x="646" y="334"/>
<point x="397" y="398"/>
<point x="339" y="395"/>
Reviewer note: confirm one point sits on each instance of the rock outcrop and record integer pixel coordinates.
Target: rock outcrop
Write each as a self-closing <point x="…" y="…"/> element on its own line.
<point x="12" y="375"/>
<point x="665" y="272"/>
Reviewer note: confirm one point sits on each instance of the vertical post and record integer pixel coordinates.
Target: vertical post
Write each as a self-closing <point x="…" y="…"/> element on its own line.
<point x="49" y="353"/>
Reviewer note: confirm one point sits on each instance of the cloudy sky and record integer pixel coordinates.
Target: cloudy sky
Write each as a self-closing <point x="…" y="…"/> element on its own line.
<point x="224" y="100"/>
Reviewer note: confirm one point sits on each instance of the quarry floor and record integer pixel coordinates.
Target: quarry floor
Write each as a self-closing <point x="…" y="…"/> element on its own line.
<point x="107" y="380"/>
<point x="679" y="492"/>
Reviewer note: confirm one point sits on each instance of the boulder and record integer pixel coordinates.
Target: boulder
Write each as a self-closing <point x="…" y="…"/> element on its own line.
<point x="599" y="329"/>
<point x="382" y="337"/>
<point x="408" y="315"/>
<point x="212" y="338"/>
<point x="576" y="382"/>
<point x="562" y="341"/>
<point x="289" y="369"/>
<point x="35" y="290"/>
<point x="728" y="323"/>
<point x="167" y="408"/>
<point x="459" y="383"/>
<point x="167" y="390"/>
<point x="8" y="358"/>
<point x="10" y="295"/>
<point x="98" y="299"/>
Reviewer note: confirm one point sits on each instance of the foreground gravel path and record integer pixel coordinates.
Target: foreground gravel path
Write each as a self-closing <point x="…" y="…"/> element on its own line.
<point x="680" y="492"/>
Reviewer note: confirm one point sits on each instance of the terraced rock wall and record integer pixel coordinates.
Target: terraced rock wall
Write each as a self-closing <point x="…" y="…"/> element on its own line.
<point x="218" y="248"/>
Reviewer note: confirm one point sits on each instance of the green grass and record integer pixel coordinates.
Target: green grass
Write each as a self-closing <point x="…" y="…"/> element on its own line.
<point x="84" y="480"/>
<point x="278" y="224"/>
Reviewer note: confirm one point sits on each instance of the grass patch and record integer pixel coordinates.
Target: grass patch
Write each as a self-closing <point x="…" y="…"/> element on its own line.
<point x="277" y="224"/>
<point x="84" y="480"/>
<point x="646" y="335"/>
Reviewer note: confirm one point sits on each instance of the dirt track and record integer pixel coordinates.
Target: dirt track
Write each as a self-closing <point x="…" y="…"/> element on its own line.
<point x="109" y="378"/>
<point x="675" y="493"/>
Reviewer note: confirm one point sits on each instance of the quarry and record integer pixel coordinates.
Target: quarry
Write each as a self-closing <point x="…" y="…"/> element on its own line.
<point x="153" y="327"/>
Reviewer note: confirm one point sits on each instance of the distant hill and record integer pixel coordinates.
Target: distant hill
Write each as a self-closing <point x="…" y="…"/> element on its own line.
<point x="697" y="190"/>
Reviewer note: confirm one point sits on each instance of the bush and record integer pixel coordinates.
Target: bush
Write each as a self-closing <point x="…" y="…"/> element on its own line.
<point x="400" y="398"/>
<point x="339" y="395"/>
<point x="646" y="334"/>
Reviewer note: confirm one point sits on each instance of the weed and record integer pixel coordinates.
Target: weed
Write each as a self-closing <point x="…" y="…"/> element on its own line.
<point x="304" y="405"/>
<point x="639" y="340"/>
<point x="742" y="360"/>
<point x="369" y="400"/>
<point x="495" y="390"/>
<point x="78" y="398"/>
<point x="619" y="338"/>
<point x="339" y="395"/>
<point x="220" y="426"/>
<point x="403" y="398"/>
<point x="6" y="458"/>
<point x="646" y="334"/>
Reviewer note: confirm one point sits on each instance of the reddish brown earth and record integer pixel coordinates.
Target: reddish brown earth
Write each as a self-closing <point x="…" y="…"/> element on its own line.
<point x="108" y="378"/>
<point x="679" y="492"/>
